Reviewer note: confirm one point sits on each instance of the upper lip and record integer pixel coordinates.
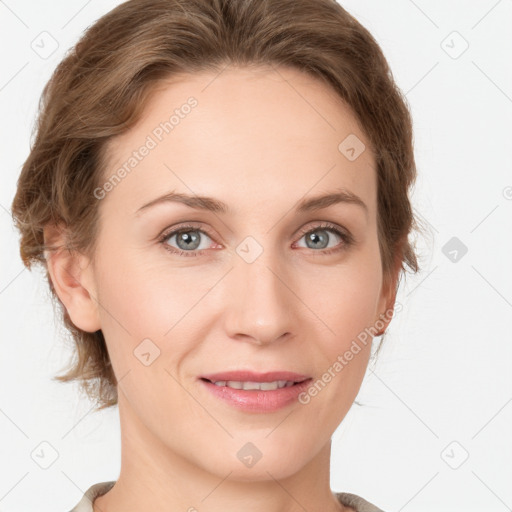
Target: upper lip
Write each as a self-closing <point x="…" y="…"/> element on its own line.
<point x="250" y="376"/>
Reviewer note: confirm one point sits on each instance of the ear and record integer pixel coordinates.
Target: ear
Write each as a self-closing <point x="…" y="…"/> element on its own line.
<point x="388" y="299"/>
<point x="72" y="277"/>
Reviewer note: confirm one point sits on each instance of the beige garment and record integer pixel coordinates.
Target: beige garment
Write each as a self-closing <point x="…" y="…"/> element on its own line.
<point x="350" y="500"/>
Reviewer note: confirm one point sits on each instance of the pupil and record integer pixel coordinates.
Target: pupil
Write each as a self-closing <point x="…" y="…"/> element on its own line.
<point x="188" y="239"/>
<point x="315" y="237"/>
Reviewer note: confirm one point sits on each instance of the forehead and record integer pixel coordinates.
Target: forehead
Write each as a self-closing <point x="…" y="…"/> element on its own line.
<point x="243" y="134"/>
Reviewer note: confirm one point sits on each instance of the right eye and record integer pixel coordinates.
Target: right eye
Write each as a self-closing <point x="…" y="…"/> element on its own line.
<point x="187" y="238"/>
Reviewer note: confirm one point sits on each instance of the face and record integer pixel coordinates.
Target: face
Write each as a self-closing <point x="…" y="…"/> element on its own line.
<point x="254" y="281"/>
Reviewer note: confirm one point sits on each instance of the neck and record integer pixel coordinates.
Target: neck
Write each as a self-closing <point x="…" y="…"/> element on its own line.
<point x="153" y="477"/>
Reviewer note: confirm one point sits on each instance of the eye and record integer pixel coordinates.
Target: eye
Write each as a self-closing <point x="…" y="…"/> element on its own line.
<point x="318" y="238"/>
<point x="188" y="240"/>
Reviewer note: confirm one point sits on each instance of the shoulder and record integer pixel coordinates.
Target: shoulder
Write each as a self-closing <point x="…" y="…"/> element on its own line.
<point x="356" y="502"/>
<point x="85" y="504"/>
<point x="349" y="500"/>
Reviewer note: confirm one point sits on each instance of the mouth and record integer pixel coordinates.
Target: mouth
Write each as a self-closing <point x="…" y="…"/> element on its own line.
<point x="256" y="393"/>
<point x="254" y="385"/>
<point x="250" y="380"/>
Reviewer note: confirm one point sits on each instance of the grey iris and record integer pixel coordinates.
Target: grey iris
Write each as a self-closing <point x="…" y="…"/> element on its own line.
<point x="190" y="239"/>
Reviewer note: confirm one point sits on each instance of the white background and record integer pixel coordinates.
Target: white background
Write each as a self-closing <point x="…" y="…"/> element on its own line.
<point x="442" y="387"/>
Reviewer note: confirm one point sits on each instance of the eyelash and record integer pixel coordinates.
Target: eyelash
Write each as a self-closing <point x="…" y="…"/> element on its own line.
<point x="346" y="237"/>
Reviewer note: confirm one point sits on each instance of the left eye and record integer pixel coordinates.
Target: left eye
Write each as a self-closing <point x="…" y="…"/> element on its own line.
<point x="318" y="238"/>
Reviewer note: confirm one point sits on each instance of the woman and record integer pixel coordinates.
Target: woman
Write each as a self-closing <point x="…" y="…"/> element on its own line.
<point x="218" y="190"/>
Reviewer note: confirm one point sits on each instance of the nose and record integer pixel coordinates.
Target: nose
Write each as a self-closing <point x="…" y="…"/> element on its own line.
<point x="260" y="302"/>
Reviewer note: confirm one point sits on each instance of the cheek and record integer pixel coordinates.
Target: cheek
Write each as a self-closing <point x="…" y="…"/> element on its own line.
<point x="128" y="299"/>
<point x="132" y="304"/>
<point x="138" y="309"/>
<point x="346" y="298"/>
<point x="142" y="300"/>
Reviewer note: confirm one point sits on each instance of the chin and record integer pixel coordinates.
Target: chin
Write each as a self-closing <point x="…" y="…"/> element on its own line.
<point x="252" y="462"/>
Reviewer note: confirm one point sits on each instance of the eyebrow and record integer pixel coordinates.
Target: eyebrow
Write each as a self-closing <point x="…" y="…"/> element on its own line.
<point x="214" y="205"/>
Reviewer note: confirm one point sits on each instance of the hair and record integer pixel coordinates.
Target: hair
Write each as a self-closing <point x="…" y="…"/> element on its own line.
<point x="99" y="90"/>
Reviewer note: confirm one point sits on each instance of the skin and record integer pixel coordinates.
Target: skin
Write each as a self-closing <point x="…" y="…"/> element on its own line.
<point x="260" y="139"/>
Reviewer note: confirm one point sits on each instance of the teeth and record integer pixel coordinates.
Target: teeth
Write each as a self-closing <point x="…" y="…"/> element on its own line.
<point x="263" y="386"/>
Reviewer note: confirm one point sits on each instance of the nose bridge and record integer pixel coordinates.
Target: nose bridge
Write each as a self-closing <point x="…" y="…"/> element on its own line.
<point x="259" y="298"/>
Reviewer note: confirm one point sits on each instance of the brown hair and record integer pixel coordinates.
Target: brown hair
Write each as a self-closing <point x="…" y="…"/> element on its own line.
<point x="101" y="87"/>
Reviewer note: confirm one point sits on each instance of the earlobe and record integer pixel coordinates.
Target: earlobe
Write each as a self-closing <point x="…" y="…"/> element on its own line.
<point x="71" y="275"/>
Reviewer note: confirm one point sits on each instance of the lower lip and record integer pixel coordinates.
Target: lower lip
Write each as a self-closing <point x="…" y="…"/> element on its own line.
<point x="256" y="400"/>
